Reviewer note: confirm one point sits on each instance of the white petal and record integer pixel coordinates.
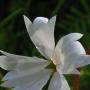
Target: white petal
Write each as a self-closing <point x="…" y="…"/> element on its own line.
<point x="24" y="68"/>
<point x="6" y="63"/>
<point x="38" y="85"/>
<point x="80" y="60"/>
<point x="10" y="61"/>
<point x="58" y="82"/>
<point x="66" y="48"/>
<point x="42" y="35"/>
<point x="30" y="82"/>
<point x="68" y="45"/>
<point x="71" y="37"/>
<point x="39" y="22"/>
<point x="72" y="48"/>
<point x="28" y="23"/>
<point x="69" y="65"/>
<point x="73" y="61"/>
<point x="67" y="69"/>
<point x="13" y="55"/>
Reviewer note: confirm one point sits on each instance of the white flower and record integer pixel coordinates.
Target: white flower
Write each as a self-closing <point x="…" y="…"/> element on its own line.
<point x="32" y="73"/>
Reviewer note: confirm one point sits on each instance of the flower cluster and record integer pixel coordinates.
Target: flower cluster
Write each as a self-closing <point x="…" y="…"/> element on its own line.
<point x="33" y="73"/>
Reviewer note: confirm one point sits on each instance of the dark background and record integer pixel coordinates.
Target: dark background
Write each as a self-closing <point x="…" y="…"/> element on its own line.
<point x="72" y="16"/>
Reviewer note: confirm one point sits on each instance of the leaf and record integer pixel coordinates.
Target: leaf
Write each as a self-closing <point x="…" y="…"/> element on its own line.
<point x="76" y="21"/>
<point x="85" y="5"/>
<point x="10" y="17"/>
<point x="58" y="7"/>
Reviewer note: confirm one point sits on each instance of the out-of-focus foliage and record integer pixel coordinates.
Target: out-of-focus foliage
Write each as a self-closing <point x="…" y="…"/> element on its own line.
<point x="72" y="16"/>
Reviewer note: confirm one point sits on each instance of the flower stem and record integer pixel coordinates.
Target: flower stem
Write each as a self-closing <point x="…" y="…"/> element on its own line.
<point x="76" y="82"/>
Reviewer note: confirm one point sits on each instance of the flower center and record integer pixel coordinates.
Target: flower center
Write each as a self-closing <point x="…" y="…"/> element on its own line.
<point x="51" y="66"/>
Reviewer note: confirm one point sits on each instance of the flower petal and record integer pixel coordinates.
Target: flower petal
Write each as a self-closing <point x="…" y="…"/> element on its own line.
<point x="71" y="37"/>
<point x="67" y="69"/>
<point x="28" y="23"/>
<point x="38" y="85"/>
<point x="6" y="63"/>
<point x="42" y="35"/>
<point x="58" y="82"/>
<point x="9" y="61"/>
<point x="80" y="60"/>
<point x="39" y="22"/>
<point x="72" y="48"/>
<point x="24" y="68"/>
<point x="68" y="45"/>
<point x="72" y="62"/>
<point x="29" y="82"/>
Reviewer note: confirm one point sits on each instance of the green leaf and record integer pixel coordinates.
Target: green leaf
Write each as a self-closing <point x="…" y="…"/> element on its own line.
<point x="58" y="7"/>
<point x="10" y="17"/>
<point x="85" y="5"/>
<point x="77" y="12"/>
<point x="76" y="21"/>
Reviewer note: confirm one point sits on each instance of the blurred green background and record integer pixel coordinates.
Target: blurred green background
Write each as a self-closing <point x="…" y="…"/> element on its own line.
<point x="72" y="16"/>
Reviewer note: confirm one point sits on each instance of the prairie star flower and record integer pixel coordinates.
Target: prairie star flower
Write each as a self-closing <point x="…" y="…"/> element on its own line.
<point x="32" y="73"/>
